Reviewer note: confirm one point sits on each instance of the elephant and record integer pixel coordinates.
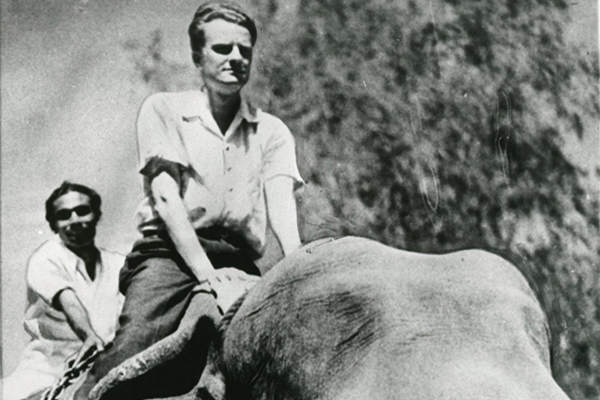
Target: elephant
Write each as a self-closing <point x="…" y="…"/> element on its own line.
<point x="351" y="318"/>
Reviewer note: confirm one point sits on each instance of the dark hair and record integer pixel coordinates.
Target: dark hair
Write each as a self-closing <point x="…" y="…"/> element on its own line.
<point x="66" y="187"/>
<point x="217" y="10"/>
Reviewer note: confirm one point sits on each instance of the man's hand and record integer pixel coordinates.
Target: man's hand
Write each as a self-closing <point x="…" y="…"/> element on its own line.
<point x="218" y="278"/>
<point x="91" y="343"/>
<point x="228" y="284"/>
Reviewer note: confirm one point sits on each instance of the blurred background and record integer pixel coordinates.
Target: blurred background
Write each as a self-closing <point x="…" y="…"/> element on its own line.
<point x="427" y="125"/>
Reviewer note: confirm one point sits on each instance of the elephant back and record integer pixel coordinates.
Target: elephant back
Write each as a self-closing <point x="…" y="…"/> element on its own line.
<point x="353" y="318"/>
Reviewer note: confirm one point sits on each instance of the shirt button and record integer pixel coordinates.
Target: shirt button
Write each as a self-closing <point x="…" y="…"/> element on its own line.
<point x="227" y="148"/>
<point x="230" y="189"/>
<point x="228" y="168"/>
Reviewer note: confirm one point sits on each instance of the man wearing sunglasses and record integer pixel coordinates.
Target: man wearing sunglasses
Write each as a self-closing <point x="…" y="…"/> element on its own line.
<point x="216" y="171"/>
<point x="73" y="295"/>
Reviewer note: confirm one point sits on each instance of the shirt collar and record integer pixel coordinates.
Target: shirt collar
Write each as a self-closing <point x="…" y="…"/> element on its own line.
<point x="199" y="104"/>
<point x="76" y="263"/>
<point x="248" y="111"/>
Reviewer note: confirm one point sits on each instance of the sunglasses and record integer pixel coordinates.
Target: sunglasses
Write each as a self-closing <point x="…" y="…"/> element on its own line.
<point x="65" y="213"/>
<point x="225" y="49"/>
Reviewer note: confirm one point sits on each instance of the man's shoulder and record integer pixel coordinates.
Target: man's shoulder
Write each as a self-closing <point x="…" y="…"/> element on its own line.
<point x="51" y="248"/>
<point x="172" y="100"/>
<point x="50" y="253"/>
<point x="172" y="96"/>
<point x="265" y="117"/>
<point x="269" y="123"/>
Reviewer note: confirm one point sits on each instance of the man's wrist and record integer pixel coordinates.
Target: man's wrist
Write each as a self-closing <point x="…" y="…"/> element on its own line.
<point x="202" y="273"/>
<point x="291" y="247"/>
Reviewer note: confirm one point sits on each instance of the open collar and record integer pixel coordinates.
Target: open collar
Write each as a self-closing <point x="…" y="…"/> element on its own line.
<point x="247" y="111"/>
<point x="75" y="263"/>
<point x="198" y="107"/>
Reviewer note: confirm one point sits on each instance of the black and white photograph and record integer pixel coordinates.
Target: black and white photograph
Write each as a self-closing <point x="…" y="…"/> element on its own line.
<point x="299" y="199"/>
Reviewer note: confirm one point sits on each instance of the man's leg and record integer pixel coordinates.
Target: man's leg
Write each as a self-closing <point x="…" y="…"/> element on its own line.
<point x="155" y="300"/>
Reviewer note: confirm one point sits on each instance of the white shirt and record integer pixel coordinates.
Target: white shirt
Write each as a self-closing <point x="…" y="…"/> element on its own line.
<point x="51" y="269"/>
<point x="223" y="177"/>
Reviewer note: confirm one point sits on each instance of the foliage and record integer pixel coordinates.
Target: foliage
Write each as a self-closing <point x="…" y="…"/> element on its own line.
<point x="436" y="126"/>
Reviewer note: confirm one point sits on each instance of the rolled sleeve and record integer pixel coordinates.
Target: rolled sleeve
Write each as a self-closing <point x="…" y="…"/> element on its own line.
<point x="280" y="156"/>
<point x="46" y="278"/>
<point x="156" y="166"/>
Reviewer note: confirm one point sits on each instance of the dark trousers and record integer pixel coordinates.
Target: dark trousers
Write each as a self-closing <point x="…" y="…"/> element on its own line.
<point x="157" y="286"/>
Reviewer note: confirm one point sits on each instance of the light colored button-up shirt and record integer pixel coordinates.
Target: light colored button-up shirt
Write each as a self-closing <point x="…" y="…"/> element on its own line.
<point x="51" y="269"/>
<point x="224" y="174"/>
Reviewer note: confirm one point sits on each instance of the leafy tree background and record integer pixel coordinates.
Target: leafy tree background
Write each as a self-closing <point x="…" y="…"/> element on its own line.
<point x="432" y="128"/>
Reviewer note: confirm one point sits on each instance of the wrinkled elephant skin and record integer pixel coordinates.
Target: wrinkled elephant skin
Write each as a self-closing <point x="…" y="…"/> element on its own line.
<point x="354" y="319"/>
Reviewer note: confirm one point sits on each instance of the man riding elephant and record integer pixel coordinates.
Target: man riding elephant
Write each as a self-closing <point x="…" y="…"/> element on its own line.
<point x="216" y="171"/>
<point x="354" y="319"/>
<point x="73" y="295"/>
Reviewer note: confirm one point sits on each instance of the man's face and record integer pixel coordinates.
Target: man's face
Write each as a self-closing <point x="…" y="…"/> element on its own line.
<point x="75" y="220"/>
<point x="226" y="56"/>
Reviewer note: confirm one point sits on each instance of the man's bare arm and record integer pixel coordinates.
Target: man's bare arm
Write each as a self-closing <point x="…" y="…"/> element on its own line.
<point x="281" y="209"/>
<point x="79" y="321"/>
<point x="172" y="211"/>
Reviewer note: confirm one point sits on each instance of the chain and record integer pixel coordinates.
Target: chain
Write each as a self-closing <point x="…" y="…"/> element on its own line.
<point x="69" y="376"/>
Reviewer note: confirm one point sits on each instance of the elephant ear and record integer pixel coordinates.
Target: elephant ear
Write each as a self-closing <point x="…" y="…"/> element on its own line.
<point x="212" y="382"/>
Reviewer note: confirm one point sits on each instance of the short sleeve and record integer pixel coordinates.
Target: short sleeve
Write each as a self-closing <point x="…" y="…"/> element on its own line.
<point x="157" y="134"/>
<point x="46" y="277"/>
<point x="280" y="154"/>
